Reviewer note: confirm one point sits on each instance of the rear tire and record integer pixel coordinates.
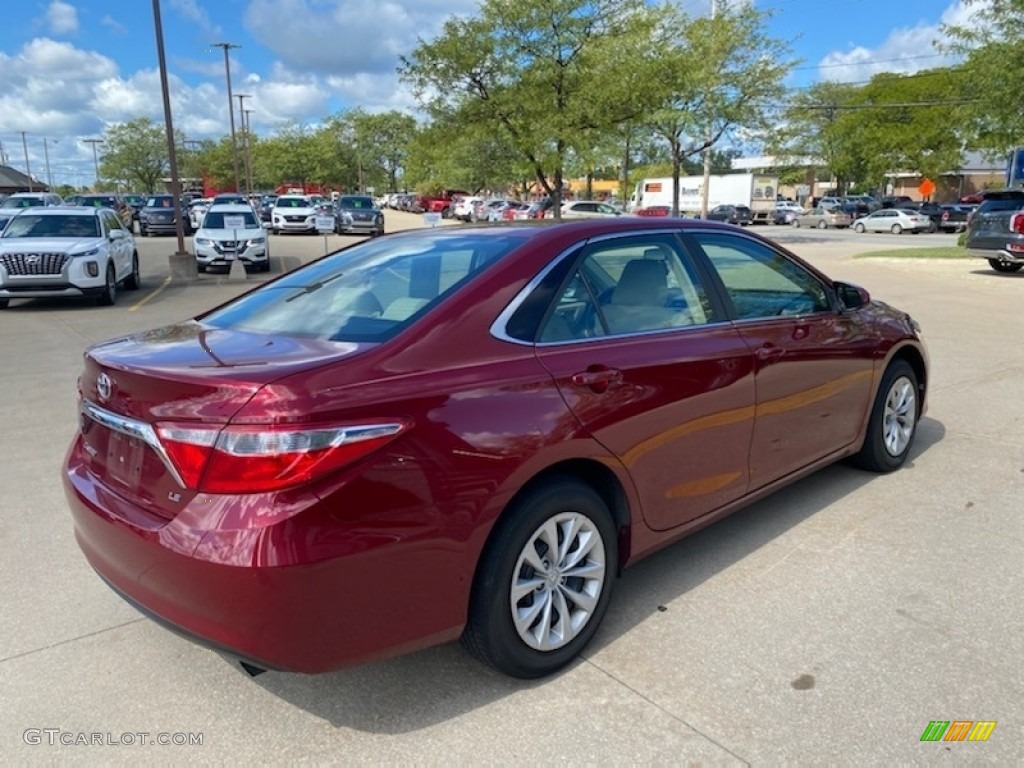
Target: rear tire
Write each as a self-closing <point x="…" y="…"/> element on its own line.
<point x="531" y="613"/>
<point x="1004" y="266"/>
<point x="896" y="229"/>
<point x="893" y="423"/>
<point x="796" y="224"/>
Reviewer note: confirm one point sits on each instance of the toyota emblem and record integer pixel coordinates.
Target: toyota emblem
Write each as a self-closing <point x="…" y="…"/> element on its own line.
<point x="104" y="386"/>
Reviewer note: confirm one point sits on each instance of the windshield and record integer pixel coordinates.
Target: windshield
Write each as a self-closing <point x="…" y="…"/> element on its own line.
<point x="292" y="202"/>
<point x="21" y="202"/>
<point x="367" y="292"/>
<point x="160" y="202"/>
<point x="35" y="225"/>
<point x="356" y="203"/>
<point x="224" y="220"/>
<point x="99" y="202"/>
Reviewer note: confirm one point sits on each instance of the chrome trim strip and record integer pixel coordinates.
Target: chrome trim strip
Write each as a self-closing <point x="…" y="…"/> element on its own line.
<point x="635" y="334"/>
<point x="132" y="428"/>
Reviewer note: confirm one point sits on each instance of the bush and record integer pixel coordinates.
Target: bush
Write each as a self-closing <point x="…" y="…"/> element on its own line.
<point x="962" y="240"/>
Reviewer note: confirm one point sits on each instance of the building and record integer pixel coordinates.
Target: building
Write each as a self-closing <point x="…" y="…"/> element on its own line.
<point x="13" y="180"/>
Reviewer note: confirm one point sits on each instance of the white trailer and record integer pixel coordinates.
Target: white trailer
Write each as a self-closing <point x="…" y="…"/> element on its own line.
<point x="755" y="191"/>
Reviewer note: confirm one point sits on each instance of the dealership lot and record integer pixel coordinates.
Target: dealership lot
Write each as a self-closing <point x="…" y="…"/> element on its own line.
<point x="831" y="622"/>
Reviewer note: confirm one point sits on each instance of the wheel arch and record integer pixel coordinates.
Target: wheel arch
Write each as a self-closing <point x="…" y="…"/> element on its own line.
<point x="912" y="355"/>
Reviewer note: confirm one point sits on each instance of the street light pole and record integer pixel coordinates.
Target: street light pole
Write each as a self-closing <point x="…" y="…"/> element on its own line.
<point x="28" y="168"/>
<point x="182" y="263"/>
<point x="245" y="134"/>
<point x="46" y="154"/>
<point x="231" y="105"/>
<point x="248" y="152"/>
<point x="95" y="159"/>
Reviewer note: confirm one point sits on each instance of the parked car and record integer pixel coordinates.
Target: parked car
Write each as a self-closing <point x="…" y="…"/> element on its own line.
<point x="855" y="210"/>
<point x="231" y="232"/>
<point x="463" y="209"/>
<point x="109" y="200"/>
<point x="468" y="432"/>
<point x="266" y="207"/>
<point x="995" y="231"/>
<point x="136" y="203"/>
<point x="955" y="217"/>
<point x="588" y="209"/>
<point x="933" y="211"/>
<point x="738" y="215"/>
<point x="293" y="213"/>
<point x="157" y="217"/>
<point x="516" y="210"/>
<point x="197" y="209"/>
<point x="823" y="218"/>
<point x="894" y="220"/>
<point x="230" y="198"/>
<point x="896" y="201"/>
<point x="50" y="251"/>
<point x="358" y="214"/>
<point x="14" y="204"/>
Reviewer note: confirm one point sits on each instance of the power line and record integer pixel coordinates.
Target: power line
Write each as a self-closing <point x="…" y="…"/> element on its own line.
<point x="870" y="61"/>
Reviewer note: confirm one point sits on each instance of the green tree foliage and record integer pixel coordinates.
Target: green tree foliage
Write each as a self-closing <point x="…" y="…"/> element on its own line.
<point x="380" y="143"/>
<point x="718" y="74"/>
<point x="993" y="45"/>
<point x="135" y="153"/>
<point x="540" y="75"/>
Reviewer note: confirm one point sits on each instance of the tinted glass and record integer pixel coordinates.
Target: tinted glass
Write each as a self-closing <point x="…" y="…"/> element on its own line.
<point x="160" y="202"/>
<point x="215" y="220"/>
<point x="292" y="202"/>
<point x="21" y="202"/>
<point x="1006" y="204"/>
<point x="762" y="282"/>
<point x="34" y="225"/>
<point x="356" y="203"/>
<point x="367" y="292"/>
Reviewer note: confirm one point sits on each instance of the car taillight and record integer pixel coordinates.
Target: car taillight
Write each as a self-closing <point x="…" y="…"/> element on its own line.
<point x="1017" y="223"/>
<point x="256" y="459"/>
<point x="945" y="215"/>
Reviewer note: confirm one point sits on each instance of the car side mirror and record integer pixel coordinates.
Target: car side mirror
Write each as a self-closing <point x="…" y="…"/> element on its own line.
<point x="267" y="225"/>
<point x="852" y="296"/>
<point x="117" y="234"/>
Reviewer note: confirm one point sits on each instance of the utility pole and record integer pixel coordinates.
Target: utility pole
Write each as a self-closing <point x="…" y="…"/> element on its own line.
<point x="707" y="150"/>
<point x="248" y="150"/>
<point x="231" y="105"/>
<point x="245" y="135"/>
<point x="46" y="154"/>
<point x="28" y="168"/>
<point x="95" y="159"/>
<point x="182" y="263"/>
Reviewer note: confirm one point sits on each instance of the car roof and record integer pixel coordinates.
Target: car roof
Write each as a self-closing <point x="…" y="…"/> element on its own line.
<point x="230" y="208"/>
<point x="58" y="210"/>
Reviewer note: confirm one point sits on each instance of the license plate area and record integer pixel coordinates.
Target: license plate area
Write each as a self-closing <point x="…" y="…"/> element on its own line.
<point x="125" y="457"/>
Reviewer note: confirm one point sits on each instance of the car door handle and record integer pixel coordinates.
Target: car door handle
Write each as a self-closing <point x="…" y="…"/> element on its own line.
<point x="597" y="380"/>
<point x="769" y="353"/>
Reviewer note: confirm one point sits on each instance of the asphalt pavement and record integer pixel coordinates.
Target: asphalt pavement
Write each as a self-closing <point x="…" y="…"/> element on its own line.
<point x="830" y="623"/>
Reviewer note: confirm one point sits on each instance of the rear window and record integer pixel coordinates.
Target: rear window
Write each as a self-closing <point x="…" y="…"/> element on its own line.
<point x="1001" y="204"/>
<point x="21" y="202"/>
<point x="368" y="292"/>
<point x="356" y="203"/>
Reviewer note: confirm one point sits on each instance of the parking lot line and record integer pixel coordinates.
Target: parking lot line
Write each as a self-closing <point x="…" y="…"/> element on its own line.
<point x="141" y="302"/>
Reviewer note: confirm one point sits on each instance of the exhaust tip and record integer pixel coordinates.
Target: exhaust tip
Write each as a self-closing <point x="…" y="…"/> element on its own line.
<point x="251" y="670"/>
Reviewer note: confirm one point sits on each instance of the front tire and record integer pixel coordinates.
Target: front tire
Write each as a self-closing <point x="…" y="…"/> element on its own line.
<point x="544" y="581"/>
<point x="822" y="224"/>
<point x="893" y="423"/>
<point x="859" y="229"/>
<point x="796" y="224"/>
<point x="109" y="295"/>
<point x="1005" y="267"/>
<point x="134" y="281"/>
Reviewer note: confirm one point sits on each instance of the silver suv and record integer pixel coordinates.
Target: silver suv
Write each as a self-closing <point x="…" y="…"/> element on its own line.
<point x="67" y="251"/>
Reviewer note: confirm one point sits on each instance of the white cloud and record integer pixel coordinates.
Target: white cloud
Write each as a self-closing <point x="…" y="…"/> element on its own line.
<point x="905" y="50"/>
<point x="347" y="37"/>
<point x="193" y="12"/>
<point x="113" y="25"/>
<point x="62" y="18"/>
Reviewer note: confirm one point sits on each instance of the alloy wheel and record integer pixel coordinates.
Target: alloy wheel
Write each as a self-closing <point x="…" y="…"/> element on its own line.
<point x="900" y="416"/>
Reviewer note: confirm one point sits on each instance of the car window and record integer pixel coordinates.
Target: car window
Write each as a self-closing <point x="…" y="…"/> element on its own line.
<point x="112" y="221"/>
<point x="215" y="219"/>
<point x="760" y="281"/>
<point x="625" y="286"/>
<point x="367" y="292"/>
<point x="1006" y="204"/>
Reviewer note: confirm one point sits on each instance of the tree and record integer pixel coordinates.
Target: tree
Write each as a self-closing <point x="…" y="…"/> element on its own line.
<point x="381" y="144"/>
<point x="542" y="75"/>
<point x="718" y="74"/>
<point x="993" y="71"/>
<point x="136" y="153"/>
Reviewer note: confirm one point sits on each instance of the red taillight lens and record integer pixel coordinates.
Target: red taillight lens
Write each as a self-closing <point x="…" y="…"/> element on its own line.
<point x="256" y="459"/>
<point x="1017" y="223"/>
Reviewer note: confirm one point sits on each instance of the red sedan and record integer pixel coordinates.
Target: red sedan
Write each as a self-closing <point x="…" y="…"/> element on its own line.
<point x="469" y="432"/>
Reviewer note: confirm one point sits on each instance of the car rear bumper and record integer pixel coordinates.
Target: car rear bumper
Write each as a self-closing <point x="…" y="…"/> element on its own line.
<point x="1001" y="254"/>
<point x="256" y="592"/>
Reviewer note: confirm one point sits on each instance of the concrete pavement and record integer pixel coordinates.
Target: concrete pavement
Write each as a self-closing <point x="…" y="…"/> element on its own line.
<point x="827" y="624"/>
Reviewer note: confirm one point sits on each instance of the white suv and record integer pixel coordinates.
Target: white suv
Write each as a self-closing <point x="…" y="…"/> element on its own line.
<point x="229" y="232"/>
<point x="72" y="251"/>
<point x="17" y="202"/>
<point x="293" y="213"/>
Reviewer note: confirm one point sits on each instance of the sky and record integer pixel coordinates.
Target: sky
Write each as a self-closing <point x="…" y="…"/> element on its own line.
<point x="70" y="68"/>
